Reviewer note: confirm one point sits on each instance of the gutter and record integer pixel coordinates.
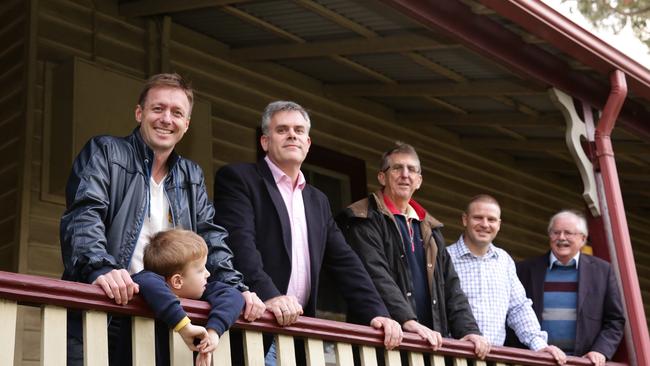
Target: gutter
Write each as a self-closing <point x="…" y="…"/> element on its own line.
<point x="617" y="227"/>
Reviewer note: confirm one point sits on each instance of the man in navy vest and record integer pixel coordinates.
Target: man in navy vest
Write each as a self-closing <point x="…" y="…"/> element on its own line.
<point x="575" y="296"/>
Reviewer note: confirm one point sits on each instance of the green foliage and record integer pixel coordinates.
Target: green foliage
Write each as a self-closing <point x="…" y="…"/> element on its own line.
<point x="616" y="14"/>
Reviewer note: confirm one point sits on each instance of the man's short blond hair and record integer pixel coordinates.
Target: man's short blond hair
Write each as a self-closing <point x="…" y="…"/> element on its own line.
<point x="170" y="251"/>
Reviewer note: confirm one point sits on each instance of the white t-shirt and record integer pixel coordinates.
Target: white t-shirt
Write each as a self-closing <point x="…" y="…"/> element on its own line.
<point x="158" y="219"/>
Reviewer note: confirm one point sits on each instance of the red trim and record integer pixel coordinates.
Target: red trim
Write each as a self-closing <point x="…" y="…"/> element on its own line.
<point x="34" y="290"/>
<point x="623" y="246"/>
<point x="508" y="49"/>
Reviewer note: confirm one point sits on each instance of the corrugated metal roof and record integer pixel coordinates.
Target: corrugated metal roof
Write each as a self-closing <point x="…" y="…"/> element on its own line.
<point x="403" y="104"/>
<point x="397" y="67"/>
<point x="326" y="70"/>
<point x="367" y="16"/>
<point x="226" y="28"/>
<point x="296" y="20"/>
<point x="478" y="104"/>
<point x="466" y="63"/>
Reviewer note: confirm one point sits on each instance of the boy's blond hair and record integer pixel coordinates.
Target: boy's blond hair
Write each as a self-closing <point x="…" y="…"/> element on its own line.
<point x="170" y="251"/>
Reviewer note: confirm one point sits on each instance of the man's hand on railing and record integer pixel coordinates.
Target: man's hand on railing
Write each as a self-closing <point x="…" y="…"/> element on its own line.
<point x="118" y="285"/>
<point x="481" y="344"/>
<point x="392" y="331"/>
<point x="597" y="358"/>
<point x="558" y="354"/>
<point x="434" y="338"/>
<point x="286" y="309"/>
<point x="254" y="307"/>
<point x="190" y="332"/>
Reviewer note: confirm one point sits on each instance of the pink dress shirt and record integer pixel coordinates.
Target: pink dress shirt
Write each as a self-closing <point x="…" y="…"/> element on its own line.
<point x="300" y="280"/>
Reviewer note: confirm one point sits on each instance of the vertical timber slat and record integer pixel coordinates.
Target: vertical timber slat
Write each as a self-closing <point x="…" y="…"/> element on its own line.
<point x="53" y="335"/>
<point x="221" y="355"/>
<point x="143" y="341"/>
<point x="285" y="350"/>
<point x="8" y="311"/>
<point x="416" y="359"/>
<point x="480" y="363"/>
<point x="392" y="358"/>
<point x="368" y="356"/>
<point x="180" y="354"/>
<point x="344" y="354"/>
<point x="315" y="353"/>
<point x="460" y="361"/>
<point x="95" y="338"/>
<point x="437" y="360"/>
<point x="253" y="348"/>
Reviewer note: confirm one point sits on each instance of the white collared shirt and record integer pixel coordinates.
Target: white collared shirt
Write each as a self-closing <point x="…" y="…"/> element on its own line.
<point x="553" y="259"/>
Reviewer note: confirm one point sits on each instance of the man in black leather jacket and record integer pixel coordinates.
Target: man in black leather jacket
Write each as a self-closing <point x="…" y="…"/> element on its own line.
<point x="112" y="205"/>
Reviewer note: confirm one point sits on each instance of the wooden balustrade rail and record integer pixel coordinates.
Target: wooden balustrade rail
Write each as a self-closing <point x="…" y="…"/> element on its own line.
<point x="38" y="291"/>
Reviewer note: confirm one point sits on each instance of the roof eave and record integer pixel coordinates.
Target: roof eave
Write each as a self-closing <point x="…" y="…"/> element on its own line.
<point x="491" y="39"/>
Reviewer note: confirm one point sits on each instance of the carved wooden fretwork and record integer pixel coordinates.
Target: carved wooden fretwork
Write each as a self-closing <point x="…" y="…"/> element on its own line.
<point x="575" y="129"/>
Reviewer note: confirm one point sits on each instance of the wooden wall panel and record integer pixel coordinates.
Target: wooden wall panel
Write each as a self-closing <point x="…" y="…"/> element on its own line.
<point x="12" y="120"/>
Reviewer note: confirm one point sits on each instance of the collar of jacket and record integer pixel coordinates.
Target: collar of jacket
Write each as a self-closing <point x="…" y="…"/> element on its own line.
<point x="360" y="208"/>
<point x="145" y="153"/>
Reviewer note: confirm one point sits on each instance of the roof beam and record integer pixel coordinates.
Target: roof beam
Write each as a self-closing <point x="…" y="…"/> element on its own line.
<point x="620" y="147"/>
<point x="143" y="8"/>
<point x="434" y="88"/>
<point x="504" y="119"/>
<point x="355" y="46"/>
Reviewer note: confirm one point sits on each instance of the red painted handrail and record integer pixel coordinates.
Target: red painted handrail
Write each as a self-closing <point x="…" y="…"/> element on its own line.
<point x="35" y="290"/>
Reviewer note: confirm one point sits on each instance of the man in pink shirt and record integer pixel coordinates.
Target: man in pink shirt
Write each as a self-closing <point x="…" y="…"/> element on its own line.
<point x="282" y="233"/>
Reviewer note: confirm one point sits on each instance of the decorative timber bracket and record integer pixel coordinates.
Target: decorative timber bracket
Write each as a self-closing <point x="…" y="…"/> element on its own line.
<point x="577" y="128"/>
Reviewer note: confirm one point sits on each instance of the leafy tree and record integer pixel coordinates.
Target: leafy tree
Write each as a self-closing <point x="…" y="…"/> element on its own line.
<point x="616" y="14"/>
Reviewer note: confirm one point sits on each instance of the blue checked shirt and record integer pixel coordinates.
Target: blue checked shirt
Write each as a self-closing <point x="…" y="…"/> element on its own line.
<point x="496" y="295"/>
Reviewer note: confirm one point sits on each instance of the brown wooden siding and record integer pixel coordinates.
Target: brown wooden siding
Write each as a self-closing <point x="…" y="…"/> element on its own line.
<point x="12" y="117"/>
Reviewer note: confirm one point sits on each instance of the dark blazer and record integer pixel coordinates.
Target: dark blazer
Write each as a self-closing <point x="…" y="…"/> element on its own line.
<point x="249" y="205"/>
<point x="600" y="318"/>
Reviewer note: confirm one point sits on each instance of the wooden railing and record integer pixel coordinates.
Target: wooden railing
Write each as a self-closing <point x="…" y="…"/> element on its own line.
<point x="54" y="297"/>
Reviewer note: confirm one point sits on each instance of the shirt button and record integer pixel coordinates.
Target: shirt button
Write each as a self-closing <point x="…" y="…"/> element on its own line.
<point x="434" y="302"/>
<point x="408" y="294"/>
<point x="429" y="265"/>
<point x="402" y="256"/>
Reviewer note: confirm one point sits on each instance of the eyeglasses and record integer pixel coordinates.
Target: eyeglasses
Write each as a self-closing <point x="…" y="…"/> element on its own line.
<point x="399" y="168"/>
<point x="567" y="234"/>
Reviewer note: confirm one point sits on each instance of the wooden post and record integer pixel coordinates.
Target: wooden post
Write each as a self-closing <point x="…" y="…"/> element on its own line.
<point x="315" y="354"/>
<point x="221" y="356"/>
<point x="180" y="354"/>
<point x="143" y="341"/>
<point x="53" y="335"/>
<point x="95" y="338"/>
<point x="253" y="348"/>
<point x="285" y="352"/>
<point x="8" y="310"/>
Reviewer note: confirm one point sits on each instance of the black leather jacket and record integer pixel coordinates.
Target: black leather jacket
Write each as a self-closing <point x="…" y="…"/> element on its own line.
<point x="107" y="198"/>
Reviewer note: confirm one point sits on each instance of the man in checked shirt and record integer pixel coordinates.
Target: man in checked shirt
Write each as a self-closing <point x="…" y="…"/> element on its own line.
<point x="489" y="279"/>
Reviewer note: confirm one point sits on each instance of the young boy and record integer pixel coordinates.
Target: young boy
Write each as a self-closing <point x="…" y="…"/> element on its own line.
<point x="177" y="258"/>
